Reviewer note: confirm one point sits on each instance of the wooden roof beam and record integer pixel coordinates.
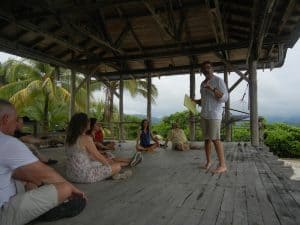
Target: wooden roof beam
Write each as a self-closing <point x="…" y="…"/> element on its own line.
<point x="27" y="52"/>
<point x="41" y="31"/>
<point x="289" y="9"/>
<point x="92" y="6"/>
<point x="163" y="26"/>
<point x="141" y="73"/>
<point x="259" y="27"/>
<point x="216" y="21"/>
<point x="97" y="39"/>
<point x="231" y="67"/>
<point x="176" y="52"/>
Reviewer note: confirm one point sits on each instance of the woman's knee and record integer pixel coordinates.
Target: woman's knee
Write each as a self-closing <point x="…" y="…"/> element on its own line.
<point x="115" y="168"/>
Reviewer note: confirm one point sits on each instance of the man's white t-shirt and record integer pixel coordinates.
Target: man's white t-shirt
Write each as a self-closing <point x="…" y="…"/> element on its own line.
<point x="13" y="154"/>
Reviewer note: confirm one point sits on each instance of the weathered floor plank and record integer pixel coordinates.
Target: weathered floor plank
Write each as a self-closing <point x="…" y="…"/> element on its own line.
<point x="170" y="188"/>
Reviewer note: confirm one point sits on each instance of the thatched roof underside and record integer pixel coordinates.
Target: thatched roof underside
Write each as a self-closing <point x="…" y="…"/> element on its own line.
<point x="140" y="37"/>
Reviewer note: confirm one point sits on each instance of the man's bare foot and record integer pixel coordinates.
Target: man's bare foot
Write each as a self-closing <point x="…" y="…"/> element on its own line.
<point x="220" y="169"/>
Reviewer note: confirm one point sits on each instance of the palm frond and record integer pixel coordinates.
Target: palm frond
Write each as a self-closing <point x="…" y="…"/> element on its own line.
<point x="8" y="90"/>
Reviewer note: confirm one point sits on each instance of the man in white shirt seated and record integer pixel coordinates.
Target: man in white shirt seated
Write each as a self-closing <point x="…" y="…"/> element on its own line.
<point x="46" y="195"/>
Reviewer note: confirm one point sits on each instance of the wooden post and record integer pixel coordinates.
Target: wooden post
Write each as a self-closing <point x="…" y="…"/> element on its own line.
<point x="121" y="109"/>
<point x="253" y="102"/>
<point x="192" y="96"/>
<point x="88" y="92"/>
<point x="57" y="73"/>
<point x="72" y="90"/>
<point x="228" y="126"/>
<point x="149" y="84"/>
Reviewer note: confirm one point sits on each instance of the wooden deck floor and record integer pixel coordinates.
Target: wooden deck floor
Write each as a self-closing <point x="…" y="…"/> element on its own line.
<point x="169" y="188"/>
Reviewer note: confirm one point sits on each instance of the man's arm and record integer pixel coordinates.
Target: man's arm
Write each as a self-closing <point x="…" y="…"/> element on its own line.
<point x="30" y="139"/>
<point x="38" y="173"/>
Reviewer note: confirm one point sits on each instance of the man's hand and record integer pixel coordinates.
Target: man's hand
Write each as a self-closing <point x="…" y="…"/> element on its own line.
<point x="77" y="192"/>
<point x="208" y="86"/>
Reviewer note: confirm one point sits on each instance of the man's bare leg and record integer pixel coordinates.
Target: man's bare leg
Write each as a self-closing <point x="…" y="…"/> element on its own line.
<point x="207" y="147"/>
<point x="220" y="153"/>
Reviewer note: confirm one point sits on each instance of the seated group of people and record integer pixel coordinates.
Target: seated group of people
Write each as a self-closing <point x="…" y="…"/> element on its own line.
<point x="30" y="189"/>
<point x="176" y="135"/>
<point x="87" y="160"/>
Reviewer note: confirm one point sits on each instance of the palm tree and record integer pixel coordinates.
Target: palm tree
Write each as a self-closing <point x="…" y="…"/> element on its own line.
<point x="31" y="86"/>
<point x="135" y="87"/>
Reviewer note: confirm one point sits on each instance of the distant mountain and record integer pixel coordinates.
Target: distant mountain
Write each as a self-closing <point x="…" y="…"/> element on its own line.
<point x="292" y="120"/>
<point x="153" y="119"/>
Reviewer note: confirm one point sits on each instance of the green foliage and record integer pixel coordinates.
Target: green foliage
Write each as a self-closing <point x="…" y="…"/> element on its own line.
<point x="131" y="126"/>
<point x="182" y="119"/>
<point x="283" y="139"/>
<point x="241" y="132"/>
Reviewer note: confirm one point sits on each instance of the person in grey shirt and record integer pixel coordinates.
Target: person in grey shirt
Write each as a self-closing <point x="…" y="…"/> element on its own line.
<point x="213" y="95"/>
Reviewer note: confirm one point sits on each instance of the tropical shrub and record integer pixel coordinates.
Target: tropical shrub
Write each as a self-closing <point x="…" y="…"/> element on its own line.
<point x="283" y="139"/>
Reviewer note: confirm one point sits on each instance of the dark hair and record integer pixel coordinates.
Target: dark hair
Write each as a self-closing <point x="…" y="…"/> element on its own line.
<point x="25" y="119"/>
<point x="77" y="125"/>
<point x="204" y="63"/>
<point x="142" y="126"/>
<point x="93" y="121"/>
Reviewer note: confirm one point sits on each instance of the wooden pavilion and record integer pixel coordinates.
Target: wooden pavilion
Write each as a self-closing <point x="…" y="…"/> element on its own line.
<point x="133" y="39"/>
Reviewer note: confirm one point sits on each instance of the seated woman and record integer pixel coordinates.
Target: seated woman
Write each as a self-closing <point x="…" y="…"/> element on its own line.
<point x="98" y="136"/>
<point x="84" y="163"/>
<point x="94" y="128"/>
<point x="32" y="142"/>
<point x="143" y="138"/>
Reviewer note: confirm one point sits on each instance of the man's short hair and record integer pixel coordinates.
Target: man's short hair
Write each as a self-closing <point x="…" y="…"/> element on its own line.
<point x="204" y="63"/>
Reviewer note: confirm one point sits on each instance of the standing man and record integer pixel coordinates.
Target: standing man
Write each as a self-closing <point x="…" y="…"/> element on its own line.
<point x="46" y="194"/>
<point x="213" y="94"/>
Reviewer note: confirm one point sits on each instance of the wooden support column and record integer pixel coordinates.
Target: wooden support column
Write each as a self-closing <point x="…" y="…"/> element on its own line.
<point x="121" y="109"/>
<point x="192" y="96"/>
<point x="57" y="73"/>
<point x="149" y="84"/>
<point x="88" y="92"/>
<point x="72" y="90"/>
<point x="228" y="126"/>
<point x="253" y="102"/>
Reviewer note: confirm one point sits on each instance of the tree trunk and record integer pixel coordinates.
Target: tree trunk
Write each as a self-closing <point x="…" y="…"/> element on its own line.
<point x="111" y="105"/>
<point x="106" y="105"/>
<point x="46" y="111"/>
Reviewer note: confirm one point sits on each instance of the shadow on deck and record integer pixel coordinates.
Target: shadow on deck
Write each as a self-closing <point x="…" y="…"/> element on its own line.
<point x="169" y="188"/>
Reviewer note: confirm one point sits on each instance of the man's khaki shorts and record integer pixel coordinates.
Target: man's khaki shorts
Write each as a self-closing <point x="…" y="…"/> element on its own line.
<point x="211" y="129"/>
<point x="25" y="207"/>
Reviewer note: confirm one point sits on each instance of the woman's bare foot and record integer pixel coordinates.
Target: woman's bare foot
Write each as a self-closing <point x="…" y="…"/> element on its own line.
<point x="220" y="169"/>
<point x="206" y="166"/>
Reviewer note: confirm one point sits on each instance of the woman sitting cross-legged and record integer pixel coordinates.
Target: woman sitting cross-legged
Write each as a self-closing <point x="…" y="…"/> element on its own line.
<point x="94" y="128"/>
<point x="143" y="138"/>
<point x="84" y="163"/>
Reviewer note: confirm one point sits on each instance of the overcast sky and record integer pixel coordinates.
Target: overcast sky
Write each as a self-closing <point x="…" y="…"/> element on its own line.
<point x="278" y="91"/>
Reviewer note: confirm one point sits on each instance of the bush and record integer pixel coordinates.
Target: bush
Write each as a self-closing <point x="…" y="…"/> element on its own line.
<point x="283" y="140"/>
